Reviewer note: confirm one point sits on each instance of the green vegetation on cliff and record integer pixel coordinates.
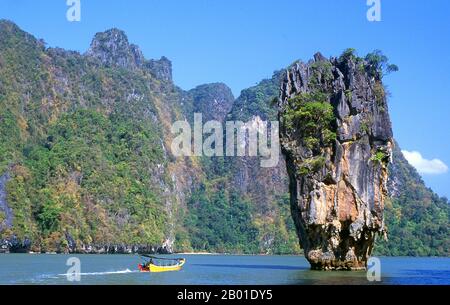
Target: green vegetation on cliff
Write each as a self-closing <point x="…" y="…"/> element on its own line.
<point x="311" y="115"/>
<point x="220" y="221"/>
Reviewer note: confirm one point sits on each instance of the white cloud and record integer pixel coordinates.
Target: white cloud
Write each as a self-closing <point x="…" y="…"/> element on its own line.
<point x="424" y="166"/>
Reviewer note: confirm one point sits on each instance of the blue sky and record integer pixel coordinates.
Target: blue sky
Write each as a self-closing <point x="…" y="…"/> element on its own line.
<point x="241" y="42"/>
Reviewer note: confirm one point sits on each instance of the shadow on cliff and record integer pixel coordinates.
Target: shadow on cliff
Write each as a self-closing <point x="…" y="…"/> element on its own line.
<point x="273" y="267"/>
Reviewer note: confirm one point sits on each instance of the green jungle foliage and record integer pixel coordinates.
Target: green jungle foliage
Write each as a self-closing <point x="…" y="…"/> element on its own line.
<point x="311" y="115"/>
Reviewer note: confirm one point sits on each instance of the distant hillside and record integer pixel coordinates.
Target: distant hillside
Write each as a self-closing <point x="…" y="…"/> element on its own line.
<point x="417" y="218"/>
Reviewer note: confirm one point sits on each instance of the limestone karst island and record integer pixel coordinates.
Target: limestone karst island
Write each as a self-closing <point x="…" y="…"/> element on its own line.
<point x="168" y="143"/>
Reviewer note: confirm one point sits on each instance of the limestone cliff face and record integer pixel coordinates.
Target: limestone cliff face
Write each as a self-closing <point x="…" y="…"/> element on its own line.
<point x="112" y="49"/>
<point x="338" y="183"/>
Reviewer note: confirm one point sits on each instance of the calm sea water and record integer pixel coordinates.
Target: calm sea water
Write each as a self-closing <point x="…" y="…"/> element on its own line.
<point x="214" y="269"/>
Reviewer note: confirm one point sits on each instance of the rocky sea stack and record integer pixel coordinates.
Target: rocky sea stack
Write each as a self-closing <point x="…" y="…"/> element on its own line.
<point x="336" y="136"/>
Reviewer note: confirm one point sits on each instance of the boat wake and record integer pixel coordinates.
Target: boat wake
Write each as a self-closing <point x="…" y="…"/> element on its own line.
<point x="100" y="273"/>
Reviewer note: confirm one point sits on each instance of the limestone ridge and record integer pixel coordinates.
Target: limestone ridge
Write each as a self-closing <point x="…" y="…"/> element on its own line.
<point x="338" y="184"/>
<point x="112" y="48"/>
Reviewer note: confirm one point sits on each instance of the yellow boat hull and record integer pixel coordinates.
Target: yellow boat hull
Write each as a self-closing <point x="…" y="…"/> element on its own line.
<point x="156" y="268"/>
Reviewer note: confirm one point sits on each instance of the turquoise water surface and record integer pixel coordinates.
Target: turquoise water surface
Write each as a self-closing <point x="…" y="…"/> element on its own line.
<point x="215" y="269"/>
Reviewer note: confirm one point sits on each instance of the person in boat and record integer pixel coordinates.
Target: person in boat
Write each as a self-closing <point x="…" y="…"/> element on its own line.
<point x="147" y="264"/>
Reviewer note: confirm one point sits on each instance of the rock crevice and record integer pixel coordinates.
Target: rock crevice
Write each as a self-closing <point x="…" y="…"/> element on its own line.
<point x="6" y="220"/>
